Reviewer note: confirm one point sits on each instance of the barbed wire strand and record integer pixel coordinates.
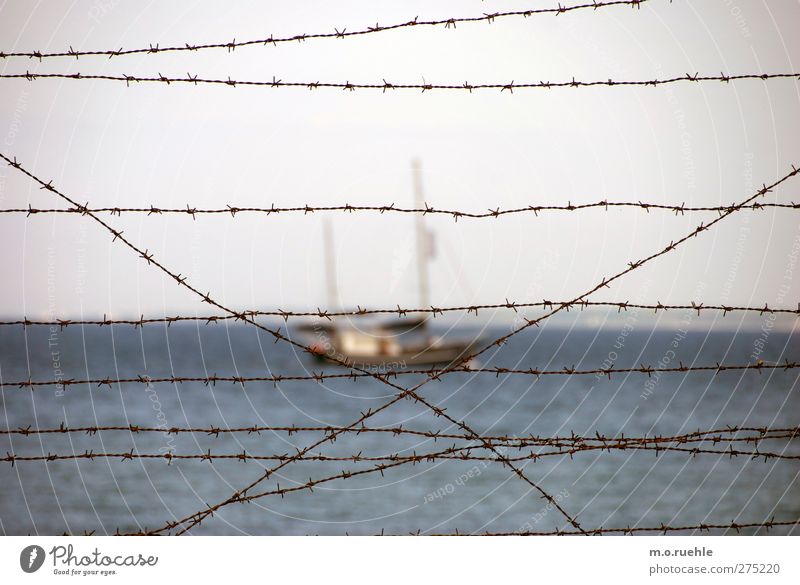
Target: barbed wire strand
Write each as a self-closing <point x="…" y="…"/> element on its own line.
<point x="628" y="530"/>
<point x="391" y="373"/>
<point x="386" y="86"/>
<point x="713" y="436"/>
<point x="233" y="210"/>
<point x="404" y="392"/>
<point x="336" y="34"/>
<point x="238" y="497"/>
<point x="455" y="453"/>
<point x="400" y="312"/>
<point x="666" y="250"/>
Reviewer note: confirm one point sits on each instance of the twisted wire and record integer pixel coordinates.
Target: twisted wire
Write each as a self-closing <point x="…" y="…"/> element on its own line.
<point x="336" y="34"/>
<point x="726" y="434"/>
<point x="233" y="210"/>
<point x="628" y="530"/>
<point x="400" y="312"/>
<point x="385" y="86"/>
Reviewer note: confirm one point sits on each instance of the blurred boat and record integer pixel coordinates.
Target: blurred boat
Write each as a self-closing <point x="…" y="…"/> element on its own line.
<point x="393" y="344"/>
<point x="390" y="345"/>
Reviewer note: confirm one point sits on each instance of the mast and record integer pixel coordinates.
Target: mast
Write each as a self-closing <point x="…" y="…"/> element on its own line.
<point x="330" y="264"/>
<point x="422" y="237"/>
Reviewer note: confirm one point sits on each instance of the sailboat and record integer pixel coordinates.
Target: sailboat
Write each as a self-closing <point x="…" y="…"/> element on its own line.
<point x="393" y="344"/>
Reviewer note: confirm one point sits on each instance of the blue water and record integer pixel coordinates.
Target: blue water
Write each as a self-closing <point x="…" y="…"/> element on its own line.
<point x="619" y="488"/>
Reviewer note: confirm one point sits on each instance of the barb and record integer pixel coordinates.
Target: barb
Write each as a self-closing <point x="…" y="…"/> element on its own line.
<point x="664" y="528"/>
<point x="726" y="434"/>
<point x="233" y="210"/>
<point x="402" y="312"/>
<point x="385" y="85"/>
<point x="231" y="46"/>
<point x="455" y="453"/>
<point x="354" y="374"/>
<point x="403" y="392"/>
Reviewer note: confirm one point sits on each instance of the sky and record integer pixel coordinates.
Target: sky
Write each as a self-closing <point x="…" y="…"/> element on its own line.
<point x="110" y="145"/>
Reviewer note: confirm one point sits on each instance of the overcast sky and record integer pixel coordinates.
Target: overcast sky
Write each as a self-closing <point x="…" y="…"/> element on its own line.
<point x="699" y="144"/>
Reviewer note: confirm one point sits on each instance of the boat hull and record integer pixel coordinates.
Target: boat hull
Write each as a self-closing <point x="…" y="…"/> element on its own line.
<point x="430" y="356"/>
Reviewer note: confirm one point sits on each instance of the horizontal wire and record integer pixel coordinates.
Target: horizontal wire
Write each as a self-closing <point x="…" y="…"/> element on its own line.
<point x="400" y="312"/>
<point x="336" y="34"/>
<point x="434" y="373"/>
<point x="385" y="85"/>
<point x="664" y="528"/>
<point x="628" y="530"/>
<point x="456" y="453"/>
<point x="427" y="210"/>
<point x="714" y="435"/>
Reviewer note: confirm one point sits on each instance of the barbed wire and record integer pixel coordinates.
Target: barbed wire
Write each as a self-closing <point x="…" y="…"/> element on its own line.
<point x="233" y="210"/>
<point x="401" y="395"/>
<point x="433" y="373"/>
<point x="455" y="453"/>
<point x="726" y="434"/>
<point x="400" y="312"/>
<point x="336" y="34"/>
<point x="628" y="530"/>
<point x="240" y="495"/>
<point x="386" y="86"/>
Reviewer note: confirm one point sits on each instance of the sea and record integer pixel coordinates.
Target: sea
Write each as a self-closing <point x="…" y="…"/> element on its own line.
<point x="609" y="488"/>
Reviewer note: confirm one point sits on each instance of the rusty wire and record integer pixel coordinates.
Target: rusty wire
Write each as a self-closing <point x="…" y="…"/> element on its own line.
<point x="432" y="373"/>
<point x="233" y="210"/>
<point x="336" y="34"/>
<point x="403" y="392"/>
<point x="386" y="86"/>
<point x="454" y="452"/>
<point x="726" y="434"/>
<point x="400" y="312"/>
<point x="628" y="530"/>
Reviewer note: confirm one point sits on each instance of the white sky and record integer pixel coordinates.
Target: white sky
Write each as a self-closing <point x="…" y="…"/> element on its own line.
<point x="702" y="144"/>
